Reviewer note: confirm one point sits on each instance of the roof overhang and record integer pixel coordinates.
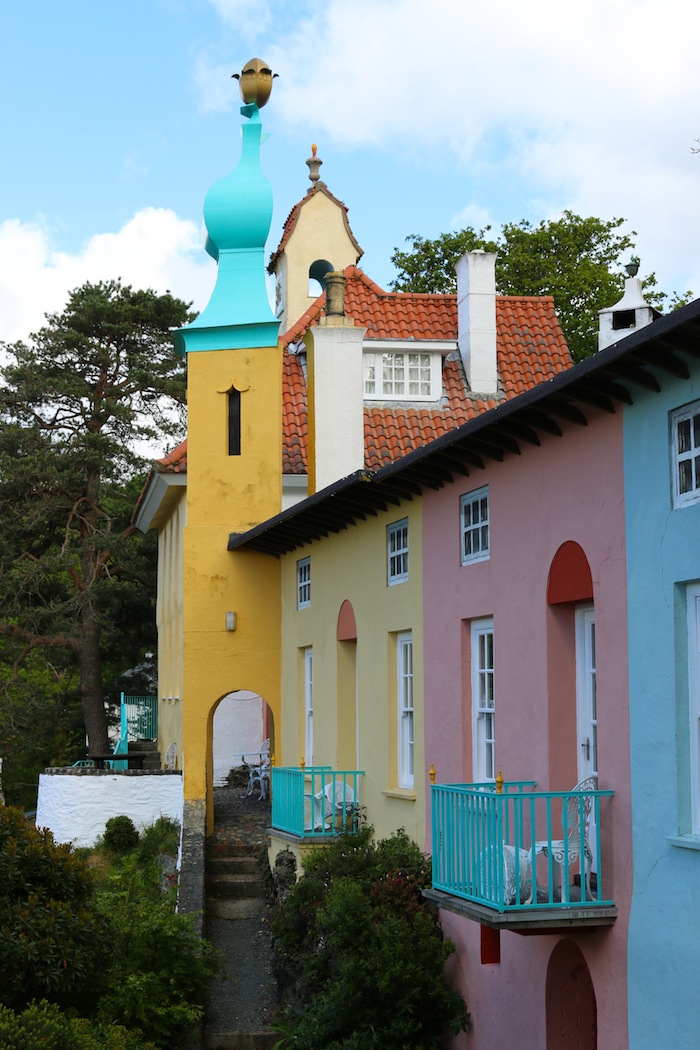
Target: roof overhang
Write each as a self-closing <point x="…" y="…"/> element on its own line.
<point x="646" y="359"/>
<point x="161" y="493"/>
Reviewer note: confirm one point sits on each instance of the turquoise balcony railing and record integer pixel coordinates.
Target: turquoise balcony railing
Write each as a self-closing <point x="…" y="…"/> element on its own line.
<point x="517" y="848"/>
<point x="138" y="720"/>
<point x="315" y="802"/>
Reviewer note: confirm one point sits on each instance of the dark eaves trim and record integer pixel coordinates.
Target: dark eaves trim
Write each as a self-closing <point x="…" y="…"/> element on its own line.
<point x="601" y="382"/>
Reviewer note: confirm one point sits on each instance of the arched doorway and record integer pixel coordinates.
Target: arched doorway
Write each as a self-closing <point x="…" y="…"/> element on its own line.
<point x="239" y="729"/>
<point x="572" y="1014"/>
<point x="572" y="730"/>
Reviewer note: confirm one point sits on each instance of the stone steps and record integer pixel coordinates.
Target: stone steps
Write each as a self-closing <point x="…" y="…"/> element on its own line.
<point x="240" y="1005"/>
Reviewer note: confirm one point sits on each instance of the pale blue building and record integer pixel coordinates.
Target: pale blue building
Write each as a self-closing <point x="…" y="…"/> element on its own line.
<point x="662" y="496"/>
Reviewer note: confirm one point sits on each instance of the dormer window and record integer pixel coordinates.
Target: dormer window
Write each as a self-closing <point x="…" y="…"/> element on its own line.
<point x="402" y="375"/>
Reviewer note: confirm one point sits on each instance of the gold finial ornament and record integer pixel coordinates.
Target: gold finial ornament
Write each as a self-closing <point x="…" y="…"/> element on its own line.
<point x="499" y="783"/>
<point x="431" y="773"/>
<point x="255" y="82"/>
<point x="302" y="764"/>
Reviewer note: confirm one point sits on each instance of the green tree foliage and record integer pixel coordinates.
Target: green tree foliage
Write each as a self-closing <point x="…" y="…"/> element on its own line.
<point x="578" y="261"/>
<point x="53" y="942"/>
<point x="361" y="952"/>
<point x="44" y="1026"/>
<point x="75" y="402"/>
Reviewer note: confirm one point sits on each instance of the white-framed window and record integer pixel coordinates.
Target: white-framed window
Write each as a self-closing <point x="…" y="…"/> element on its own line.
<point x="304" y="583"/>
<point x="404" y="681"/>
<point x="397" y="551"/>
<point x="685" y="441"/>
<point x="474" y="514"/>
<point x="483" y="700"/>
<point x="309" y="706"/>
<point x="402" y="375"/>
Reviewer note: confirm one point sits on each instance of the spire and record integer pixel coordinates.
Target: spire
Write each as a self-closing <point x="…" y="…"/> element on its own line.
<point x="237" y="216"/>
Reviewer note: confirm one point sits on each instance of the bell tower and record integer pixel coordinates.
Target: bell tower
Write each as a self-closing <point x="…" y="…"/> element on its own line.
<point x="231" y="603"/>
<point x="316" y="241"/>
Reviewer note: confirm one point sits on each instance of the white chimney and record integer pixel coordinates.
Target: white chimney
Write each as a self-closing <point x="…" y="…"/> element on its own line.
<point x="476" y="320"/>
<point x="335" y="383"/>
<point x="626" y="316"/>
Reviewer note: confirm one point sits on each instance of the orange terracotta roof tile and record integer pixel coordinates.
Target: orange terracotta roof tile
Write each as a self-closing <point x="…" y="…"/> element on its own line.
<point x="530" y="349"/>
<point x="530" y="346"/>
<point x="174" y="462"/>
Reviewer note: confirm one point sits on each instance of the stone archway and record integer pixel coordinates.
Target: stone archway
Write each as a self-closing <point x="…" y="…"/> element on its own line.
<point x="572" y="1015"/>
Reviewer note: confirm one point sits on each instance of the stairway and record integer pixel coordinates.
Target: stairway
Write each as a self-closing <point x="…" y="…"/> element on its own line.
<point x="241" y="1005"/>
<point x="150" y="749"/>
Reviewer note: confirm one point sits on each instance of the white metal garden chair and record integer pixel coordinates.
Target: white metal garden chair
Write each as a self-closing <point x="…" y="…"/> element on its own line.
<point x="259" y="771"/>
<point x="576" y="827"/>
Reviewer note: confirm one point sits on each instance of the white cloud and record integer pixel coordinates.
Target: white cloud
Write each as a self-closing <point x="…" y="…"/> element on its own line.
<point x="588" y="105"/>
<point x="155" y="249"/>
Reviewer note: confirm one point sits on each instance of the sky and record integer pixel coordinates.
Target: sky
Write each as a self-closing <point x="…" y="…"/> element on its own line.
<point x="116" y="117"/>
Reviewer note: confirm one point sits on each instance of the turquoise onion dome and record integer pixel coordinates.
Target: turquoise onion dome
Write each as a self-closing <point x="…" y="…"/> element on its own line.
<point x="237" y="216"/>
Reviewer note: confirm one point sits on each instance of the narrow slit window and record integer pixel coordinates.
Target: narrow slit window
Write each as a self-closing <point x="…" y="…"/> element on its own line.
<point x="234" y="422"/>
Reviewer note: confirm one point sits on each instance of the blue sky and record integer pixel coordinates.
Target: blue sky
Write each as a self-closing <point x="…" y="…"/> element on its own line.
<point x="117" y="117"/>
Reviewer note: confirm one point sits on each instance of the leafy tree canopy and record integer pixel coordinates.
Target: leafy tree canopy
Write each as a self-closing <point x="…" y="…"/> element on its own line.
<point x="75" y="402"/>
<point x="578" y="261"/>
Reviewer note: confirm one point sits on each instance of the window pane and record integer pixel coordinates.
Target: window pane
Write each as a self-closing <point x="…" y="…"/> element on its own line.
<point x="684" y="435"/>
<point x="685" y="476"/>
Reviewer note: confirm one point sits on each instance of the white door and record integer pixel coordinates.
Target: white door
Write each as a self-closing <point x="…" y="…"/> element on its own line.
<point x="586" y="705"/>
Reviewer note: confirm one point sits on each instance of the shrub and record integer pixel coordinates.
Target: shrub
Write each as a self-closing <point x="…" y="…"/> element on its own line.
<point x="363" y="953"/>
<point x="120" y="834"/>
<point x="162" y="968"/>
<point x="43" y="1026"/>
<point x="53" y="943"/>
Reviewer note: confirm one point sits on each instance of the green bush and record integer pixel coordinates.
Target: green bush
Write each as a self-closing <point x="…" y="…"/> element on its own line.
<point x="43" y="1026"/>
<point x="53" y="943"/>
<point x="117" y="952"/>
<point x="120" y="835"/>
<point x="362" y="953"/>
<point x="162" y="968"/>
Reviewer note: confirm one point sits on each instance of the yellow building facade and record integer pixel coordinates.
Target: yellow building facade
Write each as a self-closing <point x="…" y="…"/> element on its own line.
<point x="357" y="625"/>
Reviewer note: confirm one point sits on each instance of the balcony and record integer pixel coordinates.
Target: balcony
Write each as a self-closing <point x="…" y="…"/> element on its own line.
<point x="314" y="803"/>
<point x="511" y="857"/>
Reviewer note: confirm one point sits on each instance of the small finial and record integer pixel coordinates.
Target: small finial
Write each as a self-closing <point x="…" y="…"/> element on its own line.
<point x="632" y="267"/>
<point x="431" y="773"/>
<point x="314" y="163"/>
<point x="255" y="82"/>
<point x="499" y="783"/>
<point x="302" y="764"/>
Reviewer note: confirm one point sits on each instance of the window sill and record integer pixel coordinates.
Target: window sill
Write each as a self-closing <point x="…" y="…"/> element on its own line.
<point x="684" y="841"/>
<point x="405" y="793"/>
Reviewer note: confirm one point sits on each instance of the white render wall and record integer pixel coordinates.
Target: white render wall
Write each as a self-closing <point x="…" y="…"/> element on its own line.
<point x="76" y="804"/>
<point x="238" y="730"/>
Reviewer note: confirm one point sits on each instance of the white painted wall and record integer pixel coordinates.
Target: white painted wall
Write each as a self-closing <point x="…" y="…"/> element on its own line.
<point x="76" y="805"/>
<point x="238" y="729"/>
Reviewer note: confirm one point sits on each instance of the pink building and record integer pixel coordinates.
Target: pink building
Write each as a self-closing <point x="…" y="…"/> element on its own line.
<point x="526" y="674"/>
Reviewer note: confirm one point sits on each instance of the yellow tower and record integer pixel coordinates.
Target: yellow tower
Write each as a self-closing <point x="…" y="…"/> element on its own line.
<point x="231" y="601"/>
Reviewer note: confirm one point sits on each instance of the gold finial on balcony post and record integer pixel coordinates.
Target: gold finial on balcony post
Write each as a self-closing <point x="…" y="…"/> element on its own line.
<point x="499" y="783"/>
<point x="302" y="764"/>
<point x="272" y="758"/>
<point x="431" y="773"/>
